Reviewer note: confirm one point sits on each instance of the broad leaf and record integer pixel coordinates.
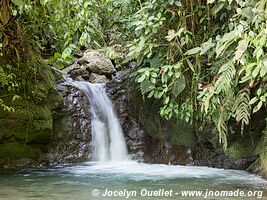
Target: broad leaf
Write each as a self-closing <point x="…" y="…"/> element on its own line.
<point x="210" y="1"/>
<point x="18" y="2"/>
<point x="178" y="86"/>
<point x="147" y="86"/>
<point x="193" y="51"/>
<point x="240" y="49"/>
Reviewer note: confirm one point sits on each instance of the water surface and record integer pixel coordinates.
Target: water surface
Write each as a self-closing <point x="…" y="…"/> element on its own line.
<point x="83" y="181"/>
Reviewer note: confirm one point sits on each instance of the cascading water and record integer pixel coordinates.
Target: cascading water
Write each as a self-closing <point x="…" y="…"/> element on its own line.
<point x="107" y="136"/>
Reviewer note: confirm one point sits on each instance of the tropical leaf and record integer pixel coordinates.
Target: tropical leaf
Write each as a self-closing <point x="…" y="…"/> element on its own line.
<point x="178" y="86"/>
<point x="242" y="108"/>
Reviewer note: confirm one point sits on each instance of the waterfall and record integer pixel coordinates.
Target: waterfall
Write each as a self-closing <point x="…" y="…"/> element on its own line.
<point x="107" y="136"/>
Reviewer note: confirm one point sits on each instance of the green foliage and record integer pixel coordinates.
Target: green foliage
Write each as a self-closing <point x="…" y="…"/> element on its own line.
<point x="52" y="29"/>
<point x="202" y="61"/>
<point x="242" y="108"/>
<point x="209" y="74"/>
<point x="58" y="28"/>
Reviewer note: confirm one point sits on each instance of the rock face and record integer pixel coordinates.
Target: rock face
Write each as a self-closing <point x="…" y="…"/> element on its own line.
<point x="134" y="135"/>
<point x="260" y="166"/>
<point x="209" y="156"/>
<point x="72" y="121"/>
<point x="72" y="128"/>
<point x="96" y="78"/>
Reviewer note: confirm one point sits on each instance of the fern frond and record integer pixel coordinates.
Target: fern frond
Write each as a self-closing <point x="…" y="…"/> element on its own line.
<point x="224" y="115"/>
<point x="227" y="73"/>
<point x="223" y="130"/>
<point x="242" y="108"/>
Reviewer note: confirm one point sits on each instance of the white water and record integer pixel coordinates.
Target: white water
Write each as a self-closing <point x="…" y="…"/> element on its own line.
<point x="142" y="171"/>
<point x="107" y="135"/>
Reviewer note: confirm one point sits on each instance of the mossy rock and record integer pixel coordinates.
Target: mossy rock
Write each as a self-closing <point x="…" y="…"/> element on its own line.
<point x="27" y="111"/>
<point x="41" y="131"/>
<point x="239" y="150"/>
<point x="260" y="166"/>
<point x="37" y="131"/>
<point x="182" y="134"/>
<point x="14" y="151"/>
<point x="173" y="131"/>
<point x="24" y="130"/>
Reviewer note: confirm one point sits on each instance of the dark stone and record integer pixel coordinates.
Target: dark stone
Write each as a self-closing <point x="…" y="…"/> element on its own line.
<point x="72" y="128"/>
<point x="209" y="156"/>
<point x="21" y="163"/>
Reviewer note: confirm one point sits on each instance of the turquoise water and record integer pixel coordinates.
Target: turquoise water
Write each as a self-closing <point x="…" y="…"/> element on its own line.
<point x="130" y="180"/>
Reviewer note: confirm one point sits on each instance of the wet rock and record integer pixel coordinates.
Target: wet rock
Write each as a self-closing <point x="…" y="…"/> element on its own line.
<point x="72" y="128"/>
<point x="21" y="163"/>
<point x="134" y="135"/>
<point x="157" y="151"/>
<point x="76" y="72"/>
<point x="209" y="156"/>
<point x="79" y="78"/>
<point x="96" y="78"/>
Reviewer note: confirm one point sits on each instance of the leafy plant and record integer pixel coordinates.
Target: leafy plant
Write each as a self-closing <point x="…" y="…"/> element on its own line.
<point x="202" y="76"/>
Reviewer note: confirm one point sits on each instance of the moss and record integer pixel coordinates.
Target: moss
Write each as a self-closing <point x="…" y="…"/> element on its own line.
<point x="181" y="134"/>
<point x="27" y="111"/>
<point x="238" y="149"/>
<point x="55" y="99"/>
<point x="13" y="151"/>
<point x="261" y="165"/>
<point x="32" y="121"/>
<point x="147" y="114"/>
<point x="41" y="131"/>
<point x="35" y="127"/>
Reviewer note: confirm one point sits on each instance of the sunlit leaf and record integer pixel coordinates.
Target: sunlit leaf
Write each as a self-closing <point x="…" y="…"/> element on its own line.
<point x="193" y="51"/>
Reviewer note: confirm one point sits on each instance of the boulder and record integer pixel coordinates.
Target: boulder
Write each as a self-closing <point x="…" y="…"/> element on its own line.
<point x="96" y="78"/>
<point x="76" y="71"/>
<point x="97" y="62"/>
<point x="70" y="68"/>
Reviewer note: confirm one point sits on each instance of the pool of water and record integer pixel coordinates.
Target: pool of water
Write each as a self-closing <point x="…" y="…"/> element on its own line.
<point x="131" y="180"/>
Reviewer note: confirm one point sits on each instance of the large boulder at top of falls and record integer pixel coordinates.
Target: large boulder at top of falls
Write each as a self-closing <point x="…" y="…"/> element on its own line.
<point x="97" y="62"/>
<point x="94" y="66"/>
